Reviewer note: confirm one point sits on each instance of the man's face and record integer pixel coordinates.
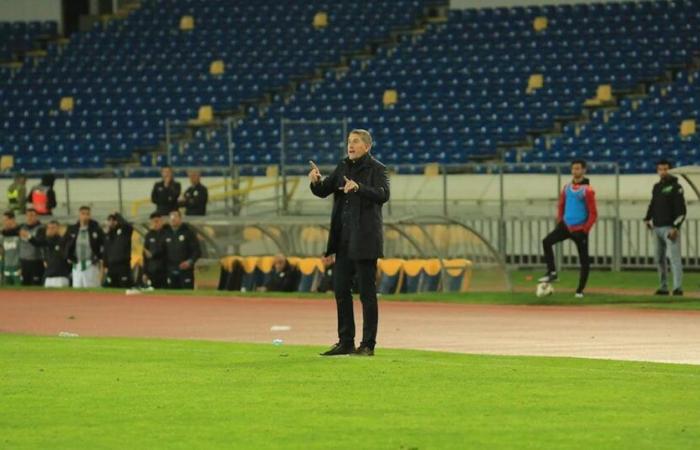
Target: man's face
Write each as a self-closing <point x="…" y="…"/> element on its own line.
<point x="279" y="263"/>
<point x="52" y="229"/>
<point x="175" y="219"/>
<point x="84" y="216"/>
<point x="112" y="224"/>
<point x="156" y="223"/>
<point x="8" y="222"/>
<point x="166" y="173"/>
<point x="194" y="177"/>
<point x="662" y="170"/>
<point x="357" y="148"/>
<point x="578" y="171"/>
<point x="31" y="217"/>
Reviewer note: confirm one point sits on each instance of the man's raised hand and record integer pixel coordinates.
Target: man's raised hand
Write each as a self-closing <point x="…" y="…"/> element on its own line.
<point x="350" y="186"/>
<point x="314" y="173"/>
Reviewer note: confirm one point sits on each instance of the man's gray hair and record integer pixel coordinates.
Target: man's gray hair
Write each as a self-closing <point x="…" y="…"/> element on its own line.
<point x="364" y="135"/>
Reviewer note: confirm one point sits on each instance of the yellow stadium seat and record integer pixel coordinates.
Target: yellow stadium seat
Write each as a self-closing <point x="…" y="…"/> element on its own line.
<point x="309" y="266"/>
<point x="536" y="81"/>
<point x="314" y="234"/>
<point x="431" y="271"/>
<point x="540" y="23"/>
<point x="390" y="275"/>
<point x="458" y="274"/>
<point x="205" y="116"/>
<point x="252" y="234"/>
<point x="265" y="263"/>
<point x="294" y="260"/>
<point x="603" y="95"/>
<point x="320" y="20"/>
<point x="431" y="170"/>
<point x="272" y="171"/>
<point x="186" y="23"/>
<point x="391" y="97"/>
<point x="250" y="263"/>
<point x="688" y="127"/>
<point x="67" y="104"/>
<point x="216" y="67"/>
<point x="7" y="162"/>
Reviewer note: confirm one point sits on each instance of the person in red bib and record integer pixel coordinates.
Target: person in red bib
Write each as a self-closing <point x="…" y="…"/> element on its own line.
<point x="42" y="196"/>
<point x="576" y="214"/>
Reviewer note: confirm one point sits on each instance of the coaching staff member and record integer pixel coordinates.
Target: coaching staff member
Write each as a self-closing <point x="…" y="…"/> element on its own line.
<point x="166" y="192"/>
<point x="182" y="251"/>
<point x="154" y="269"/>
<point x="117" y="252"/>
<point x="360" y="187"/>
<point x="84" y="248"/>
<point x="664" y="217"/>
<point x="196" y="196"/>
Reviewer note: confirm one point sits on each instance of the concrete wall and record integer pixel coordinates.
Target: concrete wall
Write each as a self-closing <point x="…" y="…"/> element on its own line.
<point x="468" y="195"/>
<point x="27" y="10"/>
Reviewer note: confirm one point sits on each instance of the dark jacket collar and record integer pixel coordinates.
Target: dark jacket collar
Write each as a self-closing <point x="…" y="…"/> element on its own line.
<point x="583" y="181"/>
<point x="668" y="180"/>
<point x="359" y="162"/>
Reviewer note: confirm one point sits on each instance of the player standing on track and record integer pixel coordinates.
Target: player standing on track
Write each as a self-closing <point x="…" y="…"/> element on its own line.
<point x="360" y="187"/>
<point x="576" y="214"/>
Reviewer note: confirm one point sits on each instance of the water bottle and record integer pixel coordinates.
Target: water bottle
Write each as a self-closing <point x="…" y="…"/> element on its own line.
<point x="277" y="342"/>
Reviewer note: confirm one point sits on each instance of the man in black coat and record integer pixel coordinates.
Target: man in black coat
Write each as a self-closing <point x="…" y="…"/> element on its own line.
<point x="360" y="186"/>
<point x="57" y="270"/>
<point x="284" y="278"/>
<point x="664" y="218"/>
<point x="182" y="252"/>
<point x="117" y="252"/>
<point x="154" y="258"/>
<point x="84" y="249"/>
<point x="196" y="196"/>
<point x="166" y="192"/>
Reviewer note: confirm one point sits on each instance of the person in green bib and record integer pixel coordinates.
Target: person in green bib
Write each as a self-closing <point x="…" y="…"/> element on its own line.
<point x="17" y="194"/>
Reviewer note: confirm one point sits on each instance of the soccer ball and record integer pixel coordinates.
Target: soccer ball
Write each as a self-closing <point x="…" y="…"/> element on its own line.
<point x="544" y="289"/>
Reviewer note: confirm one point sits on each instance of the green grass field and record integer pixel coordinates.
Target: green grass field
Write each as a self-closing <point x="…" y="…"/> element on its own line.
<point x="124" y="393"/>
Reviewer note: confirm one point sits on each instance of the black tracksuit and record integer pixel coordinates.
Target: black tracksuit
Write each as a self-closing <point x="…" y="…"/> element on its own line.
<point x="53" y="249"/>
<point x="97" y="238"/>
<point x="154" y="266"/>
<point x="181" y="244"/>
<point x="117" y="254"/>
<point x="195" y="200"/>
<point x="667" y="206"/>
<point x="356" y="238"/>
<point x="286" y="280"/>
<point x="165" y="197"/>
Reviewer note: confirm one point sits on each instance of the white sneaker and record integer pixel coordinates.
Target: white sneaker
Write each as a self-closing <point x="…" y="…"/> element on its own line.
<point x="133" y="291"/>
<point x="579" y="295"/>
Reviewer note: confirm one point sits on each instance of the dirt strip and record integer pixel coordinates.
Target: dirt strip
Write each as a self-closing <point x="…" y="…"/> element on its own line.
<point x="590" y="332"/>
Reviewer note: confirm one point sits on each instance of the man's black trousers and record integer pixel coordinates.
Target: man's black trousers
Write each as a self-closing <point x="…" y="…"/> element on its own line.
<point x="32" y="272"/>
<point x="562" y="233"/>
<point x="180" y="279"/>
<point x="119" y="275"/>
<point x="364" y="272"/>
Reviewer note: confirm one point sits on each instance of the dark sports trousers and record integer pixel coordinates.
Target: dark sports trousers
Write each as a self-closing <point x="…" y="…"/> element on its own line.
<point x="562" y="233"/>
<point x="32" y="272"/>
<point x="181" y="279"/>
<point x="345" y="271"/>
<point x="119" y="276"/>
<point x="158" y="280"/>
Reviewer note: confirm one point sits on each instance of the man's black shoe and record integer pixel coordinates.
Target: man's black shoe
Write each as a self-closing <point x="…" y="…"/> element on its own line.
<point x="363" y="351"/>
<point x="661" y="292"/>
<point x="678" y="292"/>
<point x="340" y="349"/>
